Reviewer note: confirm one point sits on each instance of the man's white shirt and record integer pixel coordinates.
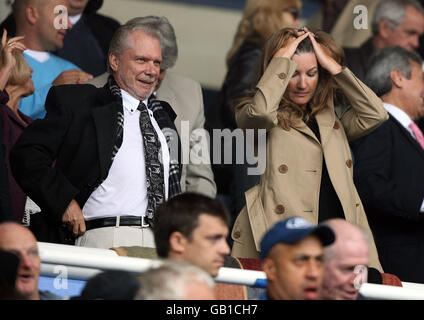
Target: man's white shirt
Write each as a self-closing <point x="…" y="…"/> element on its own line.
<point x="124" y="192"/>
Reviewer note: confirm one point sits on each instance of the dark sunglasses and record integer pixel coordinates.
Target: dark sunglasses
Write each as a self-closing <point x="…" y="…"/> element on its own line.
<point x="294" y="12"/>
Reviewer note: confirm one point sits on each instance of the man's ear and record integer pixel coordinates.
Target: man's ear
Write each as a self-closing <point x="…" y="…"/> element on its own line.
<point x="384" y="29"/>
<point x="177" y="242"/>
<point x="113" y="62"/>
<point x="31" y="14"/>
<point x="268" y="266"/>
<point x="397" y="78"/>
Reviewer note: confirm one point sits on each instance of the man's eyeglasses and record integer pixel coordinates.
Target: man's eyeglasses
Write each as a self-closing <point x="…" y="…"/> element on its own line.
<point x="294" y="12"/>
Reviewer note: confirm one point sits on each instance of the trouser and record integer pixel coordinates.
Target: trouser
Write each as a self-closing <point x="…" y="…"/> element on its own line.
<point x="113" y="237"/>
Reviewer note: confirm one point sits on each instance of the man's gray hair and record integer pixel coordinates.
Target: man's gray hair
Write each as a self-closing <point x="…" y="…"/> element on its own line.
<point x="167" y="38"/>
<point x="392" y="11"/>
<point x="386" y="60"/>
<point x="169" y="281"/>
<point x="119" y="42"/>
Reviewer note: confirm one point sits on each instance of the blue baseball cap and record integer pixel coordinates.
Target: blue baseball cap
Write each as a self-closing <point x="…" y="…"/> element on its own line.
<point x="292" y="230"/>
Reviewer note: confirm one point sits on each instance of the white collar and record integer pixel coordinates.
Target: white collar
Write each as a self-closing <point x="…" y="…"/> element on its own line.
<point x="75" y="19"/>
<point x="129" y="102"/>
<point x="398" y="114"/>
<point x="40" y="56"/>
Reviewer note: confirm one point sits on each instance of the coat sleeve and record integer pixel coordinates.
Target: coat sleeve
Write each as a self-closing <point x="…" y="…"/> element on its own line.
<point x="199" y="176"/>
<point x="366" y="111"/>
<point x="260" y="111"/>
<point x="32" y="159"/>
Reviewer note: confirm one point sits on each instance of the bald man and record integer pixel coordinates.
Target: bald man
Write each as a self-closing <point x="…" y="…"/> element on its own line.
<point x="38" y="21"/>
<point x="345" y="262"/>
<point x="19" y="240"/>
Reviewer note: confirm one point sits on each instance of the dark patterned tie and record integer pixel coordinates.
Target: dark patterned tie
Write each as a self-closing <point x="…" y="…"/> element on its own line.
<point x="154" y="167"/>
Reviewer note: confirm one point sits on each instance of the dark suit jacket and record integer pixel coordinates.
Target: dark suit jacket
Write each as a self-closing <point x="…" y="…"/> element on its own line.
<point x="356" y="59"/>
<point x="389" y="176"/>
<point x="77" y="135"/>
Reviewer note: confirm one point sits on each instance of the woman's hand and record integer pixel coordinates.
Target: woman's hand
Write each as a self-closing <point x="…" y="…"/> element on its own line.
<point x="290" y="48"/>
<point x="7" y="49"/>
<point x="323" y="57"/>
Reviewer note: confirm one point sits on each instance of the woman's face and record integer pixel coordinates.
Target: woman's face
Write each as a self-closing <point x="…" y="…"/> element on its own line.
<point x="304" y="81"/>
<point x="29" y="85"/>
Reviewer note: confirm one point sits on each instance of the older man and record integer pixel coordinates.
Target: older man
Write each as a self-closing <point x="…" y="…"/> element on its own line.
<point x="394" y="23"/>
<point x="86" y="44"/>
<point x="345" y="262"/>
<point x="185" y="97"/>
<point x="292" y="259"/>
<point x="389" y="170"/>
<point x="176" y="280"/>
<point x="113" y="163"/>
<point x="19" y="240"/>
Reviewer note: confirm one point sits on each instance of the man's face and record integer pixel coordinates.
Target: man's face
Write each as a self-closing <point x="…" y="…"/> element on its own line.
<point x="294" y="272"/>
<point x="339" y="276"/>
<point x="137" y="69"/>
<point x="407" y="33"/>
<point x="23" y="244"/>
<point x="77" y="6"/>
<point x="413" y="92"/>
<point x="50" y="38"/>
<point x="208" y="245"/>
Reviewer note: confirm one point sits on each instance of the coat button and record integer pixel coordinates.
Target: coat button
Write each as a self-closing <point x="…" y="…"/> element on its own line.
<point x="349" y="163"/>
<point x="279" y="209"/>
<point x="237" y="234"/>
<point x="282" y="75"/>
<point x="336" y="125"/>
<point x="283" y="169"/>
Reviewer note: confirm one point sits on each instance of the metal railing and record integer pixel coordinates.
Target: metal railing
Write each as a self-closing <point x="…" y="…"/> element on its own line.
<point x="83" y="263"/>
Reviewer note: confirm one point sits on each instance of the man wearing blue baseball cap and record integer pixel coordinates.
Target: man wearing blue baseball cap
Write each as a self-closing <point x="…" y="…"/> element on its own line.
<point x="292" y="258"/>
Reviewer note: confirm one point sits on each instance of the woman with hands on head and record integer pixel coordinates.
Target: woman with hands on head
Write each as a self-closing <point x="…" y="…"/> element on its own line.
<point x="309" y="165"/>
<point x="15" y="84"/>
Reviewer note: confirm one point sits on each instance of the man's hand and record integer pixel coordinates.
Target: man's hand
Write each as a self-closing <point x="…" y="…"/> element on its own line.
<point x="71" y="77"/>
<point x="74" y="219"/>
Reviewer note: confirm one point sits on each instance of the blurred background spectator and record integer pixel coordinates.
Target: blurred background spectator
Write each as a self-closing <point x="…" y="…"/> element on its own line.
<point x="110" y="285"/>
<point x="176" y="280"/>
<point x="394" y="23"/>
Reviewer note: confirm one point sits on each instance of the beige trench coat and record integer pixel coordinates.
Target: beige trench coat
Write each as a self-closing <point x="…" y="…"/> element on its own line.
<point x="290" y="185"/>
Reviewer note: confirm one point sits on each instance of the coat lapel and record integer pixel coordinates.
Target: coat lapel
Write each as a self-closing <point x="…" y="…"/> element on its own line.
<point x="305" y="130"/>
<point x="325" y="120"/>
<point x="104" y="117"/>
<point x="408" y="137"/>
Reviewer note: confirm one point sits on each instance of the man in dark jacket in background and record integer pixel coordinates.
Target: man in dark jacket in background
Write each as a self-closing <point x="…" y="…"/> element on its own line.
<point x="87" y="43"/>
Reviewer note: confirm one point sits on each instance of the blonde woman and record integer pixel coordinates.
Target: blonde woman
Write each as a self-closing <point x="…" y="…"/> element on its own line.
<point x="309" y="164"/>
